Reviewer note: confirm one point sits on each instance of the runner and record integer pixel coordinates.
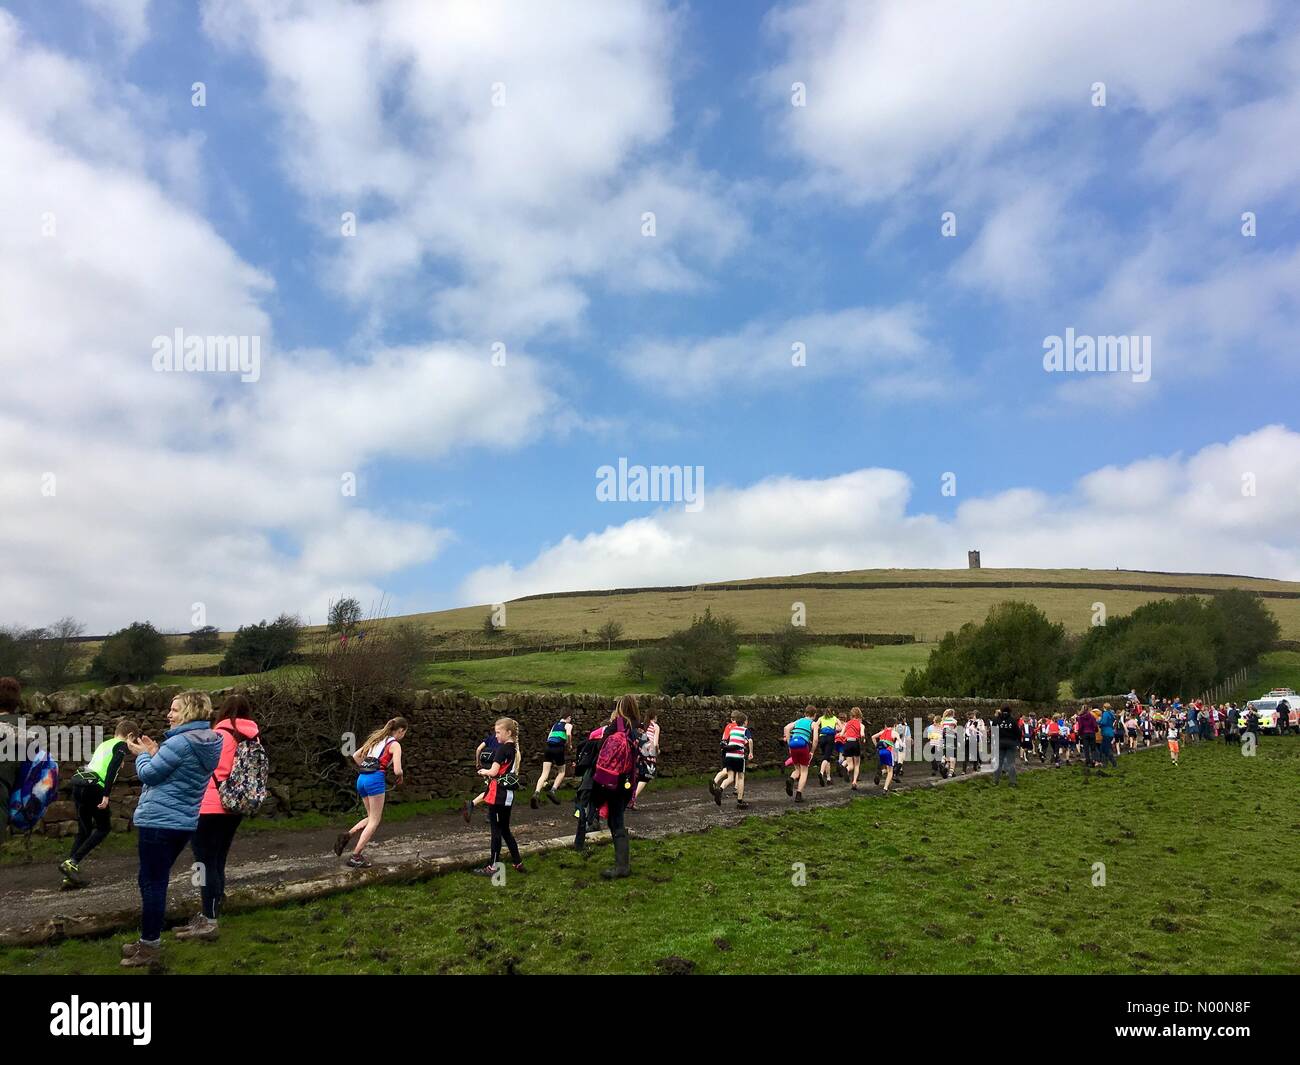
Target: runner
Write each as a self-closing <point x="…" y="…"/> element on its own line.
<point x="482" y="759"/>
<point x="902" y="749"/>
<point x="1054" y="739"/>
<point x="1026" y="737"/>
<point x="381" y="748"/>
<point x="934" y="743"/>
<point x="971" y="752"/>
<point x="557" y="748"/>
<point x="740" y="751"/>
<point x="885" y="741"/>
<point x="1172" y="740"/>
<point x="91" y="787"/>
<point x="503" y="780"/>
<point x="647" y="754"/>
<point x="948" y="729"/>
<point x="852" y="739"/>
<point x="217" y="824"/>
<point x="799" y="740"/>
<point x="827" y="726"/>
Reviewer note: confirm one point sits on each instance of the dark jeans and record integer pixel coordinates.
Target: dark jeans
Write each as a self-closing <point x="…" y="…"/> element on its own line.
<point x="211" y="844"/>
<point x="93" y="824"/>
<point x="159" y="849"/>
<point x="1089" y="748"/>
<point x="617" y="799"/>
<point x="1108" y="750"/>
<point x="499" y="822"/>
<point x="1006" y="763"/>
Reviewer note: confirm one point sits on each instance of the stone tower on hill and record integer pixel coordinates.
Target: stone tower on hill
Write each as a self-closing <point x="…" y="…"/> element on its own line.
<point x="973" y="559"/>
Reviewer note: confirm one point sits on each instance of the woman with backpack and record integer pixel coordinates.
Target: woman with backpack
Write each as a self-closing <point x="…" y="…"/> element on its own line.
<point x="614" y="779"/>
<point x="503" y="780"/>
<point x="242" y="771"/>
<point x="175" y="775"/>
<point x="381" y="748"/>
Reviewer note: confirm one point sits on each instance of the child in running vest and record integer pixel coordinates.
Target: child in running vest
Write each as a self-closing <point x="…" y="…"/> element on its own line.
<point x="503" y="779"/>
<point x="737" y="739"/>
<point x="557" y="755"/>
<point x="885" y="740"/>
<point x="851" y="735"/>
<point x="91" y="787"/>
<point x="381" y="749"/>
<point x="1172" y="739"/>
<point x="800" y="734"/>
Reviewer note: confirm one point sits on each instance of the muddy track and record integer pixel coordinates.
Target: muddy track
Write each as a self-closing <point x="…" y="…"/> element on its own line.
<point x="276" y="866"/>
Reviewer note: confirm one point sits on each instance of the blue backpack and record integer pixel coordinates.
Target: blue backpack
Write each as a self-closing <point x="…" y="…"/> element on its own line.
<point x="34" y="790"/>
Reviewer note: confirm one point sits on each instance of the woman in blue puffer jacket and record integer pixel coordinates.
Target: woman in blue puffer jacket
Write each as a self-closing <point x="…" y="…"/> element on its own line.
<point x="175" y="775"/>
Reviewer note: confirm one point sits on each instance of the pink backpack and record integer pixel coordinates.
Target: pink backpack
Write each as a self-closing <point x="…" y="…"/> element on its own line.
<point x="617" y="758"/>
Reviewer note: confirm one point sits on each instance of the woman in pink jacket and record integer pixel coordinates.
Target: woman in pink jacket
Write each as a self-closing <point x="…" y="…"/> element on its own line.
<point x="217" y="825"/>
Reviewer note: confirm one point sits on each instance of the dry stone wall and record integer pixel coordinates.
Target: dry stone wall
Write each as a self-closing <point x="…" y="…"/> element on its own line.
<point x="446" y="726"/>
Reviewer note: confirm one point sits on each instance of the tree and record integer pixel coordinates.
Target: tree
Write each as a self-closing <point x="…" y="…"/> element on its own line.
<point x="344" y="616"/>
<point x="137" y="652"/>
<point x="55" y="655"/>
<point x="257" y="648"/>
<point x="697" y="660"/>
<point x="784" y="650"/>
<point x="490" y="628"/>
<point x="639" y="664"/>
<point x="207" y="638"/>
<point x="609" y="632"/>
<point x="14" y="652"/>
<point x="1015" y="654"/>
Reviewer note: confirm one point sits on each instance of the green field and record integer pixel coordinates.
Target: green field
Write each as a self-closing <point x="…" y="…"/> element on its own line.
<point x="961" y="879"/>
<point x="1276" y="669"/>
<point x="826" y="671"/>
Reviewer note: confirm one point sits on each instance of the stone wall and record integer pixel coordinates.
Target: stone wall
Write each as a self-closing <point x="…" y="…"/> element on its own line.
<point x="446" y="726"/>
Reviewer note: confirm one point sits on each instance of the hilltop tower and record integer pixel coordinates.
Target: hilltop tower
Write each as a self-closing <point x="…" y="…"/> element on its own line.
<point x="973" y="559"/>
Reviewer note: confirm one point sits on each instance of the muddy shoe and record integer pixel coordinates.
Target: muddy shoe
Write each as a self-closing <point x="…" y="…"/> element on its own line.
<point x="798" y="796"/>
<point x="203" y="928"/>
<point x="789" y="786"/>
<point x="141" y="955"/>
<point x="533" y="801"/>
<point x="70" y="871"/>
<point x="340" y="843"/>
<point x="555" y="798"/>
<point x="359" y="861"/>
<point x="716" y="792"/>
<point x="187" y="929"/>
<point x="467" y="811"/>
<point x="741" y="804"/>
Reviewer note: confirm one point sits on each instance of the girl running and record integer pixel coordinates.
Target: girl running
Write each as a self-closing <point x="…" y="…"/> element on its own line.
<point x="382" y="748"/>
<point x="557" y="754"/>
<point x="799" y="735"/>
<point x="948" y="730"/>
<point x="852" y="733"/>
<point x="827" y="726"/>
<point x="90" y="790"/>
<point x="885" y="740"/>
<point x="503" y="779"/>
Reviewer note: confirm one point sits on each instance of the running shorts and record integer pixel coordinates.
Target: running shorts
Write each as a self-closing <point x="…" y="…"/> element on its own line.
<point x="886" y="757"/>
<point x="554" y="755"/>
<point x="370" y="784"/>
<point x="826" y="748"/>
<point x="852" y="749"/>
<point x="801" y="756"/>
<point x="735" y="763"/>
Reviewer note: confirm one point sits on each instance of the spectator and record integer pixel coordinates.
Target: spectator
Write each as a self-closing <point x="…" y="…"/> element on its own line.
<point x="175" y="775"/>
<point x="10" y="699"/>
<point x="1008" y="730"/>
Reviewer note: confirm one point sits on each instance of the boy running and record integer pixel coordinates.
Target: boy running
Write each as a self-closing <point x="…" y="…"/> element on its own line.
<point x="557" y="753"/>
<point x="1172" y="739"/>
<point x="885" y="741"/>
<point x="827" y="726"/>
<point x="740" y="750"/>
<point x="90" y="790"/>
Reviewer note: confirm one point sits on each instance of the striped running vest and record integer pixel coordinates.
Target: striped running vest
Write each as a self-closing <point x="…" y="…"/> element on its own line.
<point x="736" y="739"/>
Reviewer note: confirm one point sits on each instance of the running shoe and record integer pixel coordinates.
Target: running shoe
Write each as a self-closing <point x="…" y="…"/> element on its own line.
<point x="789" y="786"/>
<point x="533" y="801"/>
<point x="467" y="811"/>
<point x="341" y="842"/>
<point x="359" y="861"/>
<point x="520" y="869"/>
<point x="556" y="799"/>
<point x="487" y="870"/>
<point x="70" y="871"/>
<point x="717" y="793"/>
<point x="741" y="804"/>
<point x="798" y="796"/>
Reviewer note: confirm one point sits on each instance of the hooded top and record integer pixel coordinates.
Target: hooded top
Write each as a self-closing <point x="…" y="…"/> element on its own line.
<point x="176" y="776"/>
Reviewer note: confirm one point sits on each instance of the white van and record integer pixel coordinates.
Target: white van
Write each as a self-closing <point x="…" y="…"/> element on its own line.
<point x="1281" y="706"/>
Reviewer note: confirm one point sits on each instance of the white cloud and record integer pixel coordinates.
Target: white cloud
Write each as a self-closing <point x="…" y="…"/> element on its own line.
<point x="388" y="110"/>
<point x="129" y="17"/>
<point x="885" y="350"/>
<point x="1161" y="513"/>
<point x="177" y="488"/>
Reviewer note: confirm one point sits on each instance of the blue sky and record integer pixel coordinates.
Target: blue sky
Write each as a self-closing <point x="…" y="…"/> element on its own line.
<point x="521" y="223"/>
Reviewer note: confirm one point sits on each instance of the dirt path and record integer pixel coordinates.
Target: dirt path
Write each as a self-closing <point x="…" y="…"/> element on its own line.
<point x="274" y="866"/>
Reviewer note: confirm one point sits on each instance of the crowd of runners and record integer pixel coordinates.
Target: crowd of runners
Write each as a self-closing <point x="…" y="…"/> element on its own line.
<point x="210" y="771"/>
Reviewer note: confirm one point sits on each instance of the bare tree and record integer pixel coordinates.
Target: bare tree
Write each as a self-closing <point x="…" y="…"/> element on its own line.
<point x="54" y="653"/>
<point x="609" y="632"/>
